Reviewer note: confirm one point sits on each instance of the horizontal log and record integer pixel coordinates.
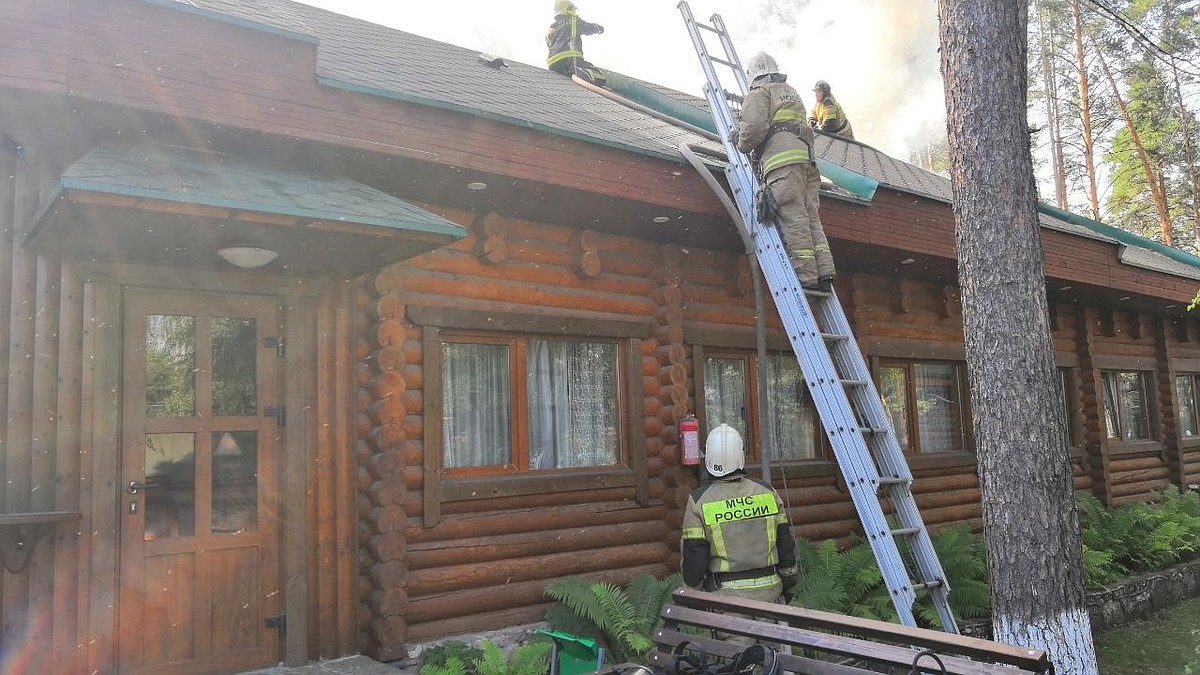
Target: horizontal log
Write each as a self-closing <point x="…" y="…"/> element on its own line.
<point x="464" y="603"/>
<point x="955" y="481"/>
<point x="427" y="555"/>
<point x="362" y="348"/>
<point x="387" y="358"/>
<point x="389" y="546"/>
<point x="651" y="366"/>
<point x="386" y="437"/>
<point x="1120" y="464"/>
<point x="456" y="577"/>
<point x="385" y="464"/>
<point x="387" y="410"/>
<point x="497" y="620"/>
<point x="547" y="499"/>
<point x="1142" y="489"/>
<point x="934" y="500"/>
<point x="389" y="574"/>
<point x="390" y="306"/>
<point x="362" y="372"/>
<point x="534" y="519"/>
<point x="1160" y="472"/>
<point x="651" y="406"/>
<point x="389" y="332"/>
<point x="386" y="492"/>
<point x="387" y="280"/>
<point x="833" y="529"/>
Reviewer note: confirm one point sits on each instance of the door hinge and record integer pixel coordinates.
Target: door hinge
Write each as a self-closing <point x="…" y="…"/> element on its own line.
<point x="275" y="343"/>
<point x="276" y="411"/>
<point x="278" y="621"/>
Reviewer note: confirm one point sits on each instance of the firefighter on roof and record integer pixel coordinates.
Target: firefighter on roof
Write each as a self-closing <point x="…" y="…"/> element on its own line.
<point x="736" y="536"/>
<point x="827" y="113"/>
<point x="772" y="131"/>
<point x="565" y="40"/>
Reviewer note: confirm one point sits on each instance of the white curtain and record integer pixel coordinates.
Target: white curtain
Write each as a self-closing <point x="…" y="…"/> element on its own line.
<point x="476" y="405"/>
<point x="574" y="418"/>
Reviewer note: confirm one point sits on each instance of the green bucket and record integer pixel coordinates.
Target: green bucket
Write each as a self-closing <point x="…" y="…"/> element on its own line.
<point x="574" y="655"/>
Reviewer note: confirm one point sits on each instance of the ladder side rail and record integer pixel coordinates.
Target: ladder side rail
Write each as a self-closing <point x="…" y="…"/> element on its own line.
<point x="891" y="460"/>
<point x="731" y="53"/>
<point x="829" y="396"/>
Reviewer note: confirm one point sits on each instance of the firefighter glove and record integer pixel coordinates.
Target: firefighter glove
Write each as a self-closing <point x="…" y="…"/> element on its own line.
<point x="812" y="122"/>
<point x="791" y="578"/>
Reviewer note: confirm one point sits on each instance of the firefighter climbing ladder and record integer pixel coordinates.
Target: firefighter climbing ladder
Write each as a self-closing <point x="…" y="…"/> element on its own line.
<point x="851" y="410"/>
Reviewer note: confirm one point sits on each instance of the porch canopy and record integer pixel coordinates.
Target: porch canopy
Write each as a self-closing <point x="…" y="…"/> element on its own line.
<point x="176" y="207"/>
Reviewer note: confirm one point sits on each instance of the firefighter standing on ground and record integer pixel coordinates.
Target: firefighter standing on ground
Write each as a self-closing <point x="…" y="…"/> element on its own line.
<point x="772" y="131"/>
<point x="827" y="113"/>
<point x="736" y="536"/>
<point x="565" y="41"/>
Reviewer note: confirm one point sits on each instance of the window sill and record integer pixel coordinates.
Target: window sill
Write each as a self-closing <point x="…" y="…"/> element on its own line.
<point x="1134" y="448"/>
<point x="516" y="485"/>
<point x="1190" y="443"/>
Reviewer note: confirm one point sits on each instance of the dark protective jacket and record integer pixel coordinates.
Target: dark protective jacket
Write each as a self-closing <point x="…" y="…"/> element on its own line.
<point x="831" y="119"/>
<point x="770" y="105"/>
<point x="565" y="37"/>
<point x="737" y="525"/>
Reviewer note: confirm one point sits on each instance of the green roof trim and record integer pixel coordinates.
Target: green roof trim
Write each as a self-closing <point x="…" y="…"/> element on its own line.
<point x="1120" y="235"/>
<point x="222" y="181"/>
<point x="638" y="92"/>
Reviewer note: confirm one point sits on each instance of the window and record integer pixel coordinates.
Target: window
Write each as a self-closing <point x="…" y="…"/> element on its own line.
<point x="924" y="402"/>
<point x="1186" y="388"/>
<point x="528" y="404"/>
<point x="731" y="396"/>
<point x="1126" y="407"/>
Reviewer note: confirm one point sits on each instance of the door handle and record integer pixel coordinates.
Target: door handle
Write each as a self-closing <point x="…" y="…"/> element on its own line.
<point x="136" y="487"/>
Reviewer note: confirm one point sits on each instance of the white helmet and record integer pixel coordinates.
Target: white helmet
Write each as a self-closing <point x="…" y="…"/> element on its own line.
<point x="723" y="453"/>
<point x="761" y="64"/>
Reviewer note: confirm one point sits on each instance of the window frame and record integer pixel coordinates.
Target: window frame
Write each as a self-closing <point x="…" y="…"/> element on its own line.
<point x="1119" y="442"/>
<point x="1188" y="372"/>
<point x="439" y="487"/>
<point x="756" y="434"/>
<point x="912" y="417"/>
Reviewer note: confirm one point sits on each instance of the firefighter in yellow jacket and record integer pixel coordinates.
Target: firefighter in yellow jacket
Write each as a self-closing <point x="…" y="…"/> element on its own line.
<point x="827" y="113"/>
<point x="565" y="41"/>
<point x="736" y="536"/>
<point x="773" y="132"/>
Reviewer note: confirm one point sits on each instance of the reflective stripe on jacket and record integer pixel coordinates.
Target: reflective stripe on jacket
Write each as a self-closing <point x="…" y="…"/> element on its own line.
<point x="768" y="104"/>
<point x="831" y="119"/>
<point x="563" y="38"/>
<point x="733" y="525"/>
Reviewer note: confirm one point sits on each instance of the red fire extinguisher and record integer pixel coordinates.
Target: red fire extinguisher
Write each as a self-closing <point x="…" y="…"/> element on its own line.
<point x="689" y="436"/>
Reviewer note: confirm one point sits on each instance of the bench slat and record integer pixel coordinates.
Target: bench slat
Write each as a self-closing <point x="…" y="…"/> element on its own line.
<point x="801" y="665"/>
<point x="878" y="652"/>
<point x="1022" y="657"/>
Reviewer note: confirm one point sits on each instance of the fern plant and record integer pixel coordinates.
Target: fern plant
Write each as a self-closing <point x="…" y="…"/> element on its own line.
<point x="963" y="555"/>
<point x="621" y="620"/>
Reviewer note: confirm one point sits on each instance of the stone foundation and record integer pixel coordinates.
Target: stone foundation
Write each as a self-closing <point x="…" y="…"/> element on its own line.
<point x="1138" y="597"/>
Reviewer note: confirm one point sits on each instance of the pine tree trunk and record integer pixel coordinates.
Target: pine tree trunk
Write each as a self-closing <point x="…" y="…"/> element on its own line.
<point x="1050" y="82"/>
<point x="1032" y="530"/>
<point x="1153" y="184"/>
<point x="1185" y="125"/>
<point x="1085" y="102"/>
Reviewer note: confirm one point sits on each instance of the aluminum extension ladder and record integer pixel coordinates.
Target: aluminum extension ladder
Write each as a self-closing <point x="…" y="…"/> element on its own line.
<point x="851" y="410"/>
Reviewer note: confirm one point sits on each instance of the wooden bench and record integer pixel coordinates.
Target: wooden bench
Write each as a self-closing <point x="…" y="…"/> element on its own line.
<point x="834" y="644"/>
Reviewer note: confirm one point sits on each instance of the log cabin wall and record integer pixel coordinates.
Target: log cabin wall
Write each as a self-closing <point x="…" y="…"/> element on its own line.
<point x="1119" y="349"/>
<point x="1181" y="360"/>
<point x="441" y="554"/>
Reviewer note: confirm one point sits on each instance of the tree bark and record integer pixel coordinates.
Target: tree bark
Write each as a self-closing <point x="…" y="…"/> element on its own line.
<point x="1025" y="476"/>
<point x="1186" y="126"/>
<point x="1050" y="82"/>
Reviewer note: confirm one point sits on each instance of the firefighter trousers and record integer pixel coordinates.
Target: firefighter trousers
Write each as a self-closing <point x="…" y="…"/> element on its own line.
<point x="795" y="189"/>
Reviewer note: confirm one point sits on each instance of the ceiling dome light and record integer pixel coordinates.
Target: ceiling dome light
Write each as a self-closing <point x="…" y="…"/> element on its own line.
<point x="661" y="219"/>
<point x="476" y="186"/>
<point x="907" y="261"/>
<point x="247" y="257"/>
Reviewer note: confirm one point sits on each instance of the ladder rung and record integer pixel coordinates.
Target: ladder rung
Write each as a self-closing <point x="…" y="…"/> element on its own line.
<point x="892" y="480"/>
<point x="834" y="337"/>
<point x="905" y="531"/>
<point x="721" y="61"/>
<point x="872" y="430"/>
<point x="926" y="585"/>
<point x="855" y="383"/>
<point x="815" y="292"/>
<point x="706" y="27"/>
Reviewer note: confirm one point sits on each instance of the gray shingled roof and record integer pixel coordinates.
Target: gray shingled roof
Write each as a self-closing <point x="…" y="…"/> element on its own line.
<point x="369" y="58"/>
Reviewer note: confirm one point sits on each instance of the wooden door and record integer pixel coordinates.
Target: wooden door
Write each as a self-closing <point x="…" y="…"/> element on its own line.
<point x="199" y="485"/>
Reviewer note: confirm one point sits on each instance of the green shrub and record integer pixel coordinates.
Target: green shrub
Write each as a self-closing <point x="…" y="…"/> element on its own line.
<point x="1137" y="537"/>
<point x="621" y="620"/>
<point x="848" y="581"/>
<point x="456" y="658"/>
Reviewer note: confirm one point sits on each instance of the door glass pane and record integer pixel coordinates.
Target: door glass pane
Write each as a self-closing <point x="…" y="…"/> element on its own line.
<point x="893" y="389"/>
<point x="234" y="366"/>
<point x="171" y="505"/>
<point x="170" y="366"/>
<point x="234" y="481"/>
<point x="725" y="393"/>
<point x="573" y="404"/>
<point x="475" y="384"/>
<point x="1186" y="395"/>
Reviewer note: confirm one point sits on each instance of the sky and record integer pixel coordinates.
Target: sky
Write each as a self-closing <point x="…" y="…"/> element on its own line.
<point x="879" y="56"/>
